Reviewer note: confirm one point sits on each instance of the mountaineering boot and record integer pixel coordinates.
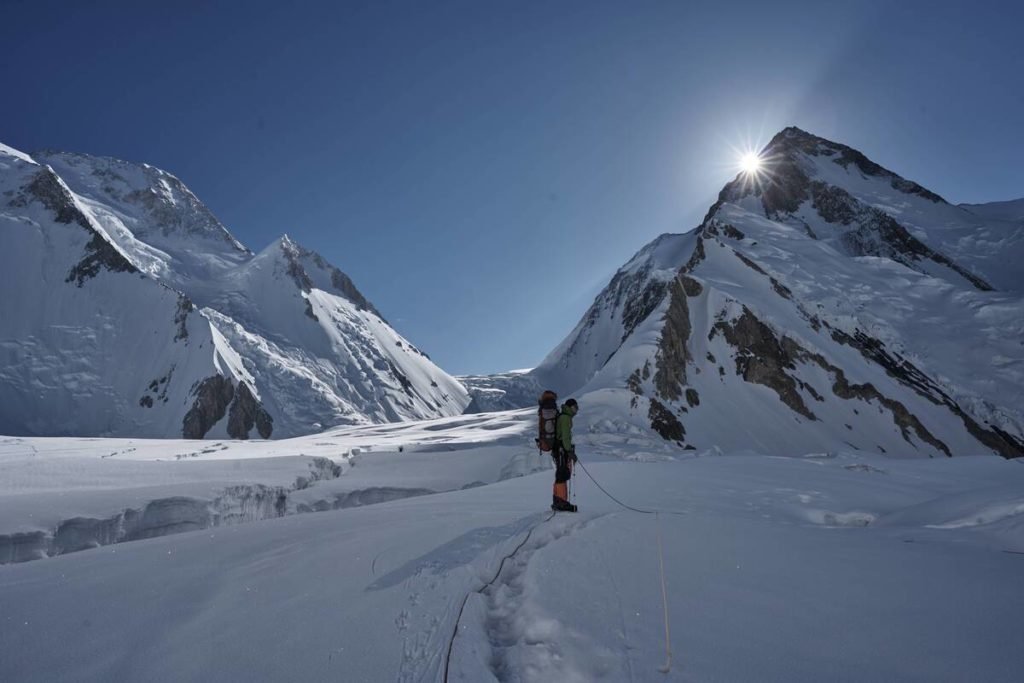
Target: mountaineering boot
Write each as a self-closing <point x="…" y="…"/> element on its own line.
<point x="562" y="505"/>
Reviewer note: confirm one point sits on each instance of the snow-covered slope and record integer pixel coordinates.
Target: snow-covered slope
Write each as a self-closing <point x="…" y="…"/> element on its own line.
<point x="819" y="567"/>
<point x="133" y="311"/>
<point x="824" y="303"/>
<point x="501" y="391"/>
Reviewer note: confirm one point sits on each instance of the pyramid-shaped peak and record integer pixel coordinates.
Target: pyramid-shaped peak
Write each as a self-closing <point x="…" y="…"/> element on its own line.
<point x="309" y="269"/>
<point x="793" y="139"/>
<point x="794" y="156"/>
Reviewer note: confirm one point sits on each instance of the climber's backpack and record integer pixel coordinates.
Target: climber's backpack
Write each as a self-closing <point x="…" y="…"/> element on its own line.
<point x="547" y="411"/>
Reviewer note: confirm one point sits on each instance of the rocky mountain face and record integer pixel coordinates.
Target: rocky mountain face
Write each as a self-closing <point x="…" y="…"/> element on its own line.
<point x="129" y="310"/>
<point x="823" y="303"/>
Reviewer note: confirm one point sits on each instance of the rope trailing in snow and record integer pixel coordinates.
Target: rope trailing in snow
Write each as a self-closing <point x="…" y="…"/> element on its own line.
<point x="664" y="599"/>
<point x="661" y="561"/>
<point x="481" y="589"/>
<point x="628" y="507"/>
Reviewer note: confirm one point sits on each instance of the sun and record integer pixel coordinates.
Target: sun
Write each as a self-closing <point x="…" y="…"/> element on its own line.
<point x="750" y="163"/>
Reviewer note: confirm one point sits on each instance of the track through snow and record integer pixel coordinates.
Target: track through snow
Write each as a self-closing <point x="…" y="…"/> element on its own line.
<point x="769" y="574"/>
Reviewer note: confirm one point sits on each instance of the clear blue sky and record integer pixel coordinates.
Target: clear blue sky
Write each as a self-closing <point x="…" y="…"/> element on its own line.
<point x="480" y="169"/>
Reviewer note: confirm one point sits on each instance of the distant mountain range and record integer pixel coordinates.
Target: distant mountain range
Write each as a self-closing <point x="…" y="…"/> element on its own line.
<point x="129" y="310"/>
<point x="825" y="303"/>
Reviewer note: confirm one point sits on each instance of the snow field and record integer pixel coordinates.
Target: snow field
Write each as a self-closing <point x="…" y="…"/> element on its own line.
<point x="830" y="566"/>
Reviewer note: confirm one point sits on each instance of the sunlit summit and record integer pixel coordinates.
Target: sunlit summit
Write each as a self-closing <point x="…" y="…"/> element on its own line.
<point x="750" y="163"/>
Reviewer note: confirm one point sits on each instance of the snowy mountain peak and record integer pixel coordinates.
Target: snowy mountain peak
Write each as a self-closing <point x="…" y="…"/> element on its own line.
<point x="11" y="152"/>
<point x="835" y="193"/>
<point x="794" y="161"/>
<point x="792" y="142"/>
<point x="104" y="339"/>
<point x="309" y="270"/>
<point x="159" y="206"/>
<point x="824" y="302"/>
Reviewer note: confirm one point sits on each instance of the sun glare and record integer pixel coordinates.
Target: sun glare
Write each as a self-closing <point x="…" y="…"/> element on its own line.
<point x="750" y="163"/>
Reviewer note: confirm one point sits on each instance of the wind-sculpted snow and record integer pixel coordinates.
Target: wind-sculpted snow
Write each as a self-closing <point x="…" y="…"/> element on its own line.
<point x="279" y="343"/>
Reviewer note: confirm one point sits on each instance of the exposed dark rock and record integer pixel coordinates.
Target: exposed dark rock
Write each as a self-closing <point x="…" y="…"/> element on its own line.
<point x="400" y="376"/>
<point x="690" y="286"/>
<point x="849" y="156"/>
<point x="695" y="258"/>
<point x="762" y="359"/>
<point x="834" y="204"/>
<point x="732" y="232"/>
<point x="672" y="354"/>
<point x="99" y="254"/>
<point x="309" y="310"/>
<point x="811" y="390"/>
<point x="295" y="270"/>
<point x="47" y="189"/>
<point x="910" y="187"/>
<point x="879" y="234"/>
<point x="749" y="262"/>
<point x="793" y="138"/>
<point x="635" y="293"/>
<point x="634" y="383"/>
<point x="780" y="289"/>
<point x="185" y="307"/>
<point x="1016" y="445"/>
<point x="341" y="282"/>
<point x="842" y="388"/>
<point x="911" y="376"/>
<point x="146" y="401"/>
<point x="246" y="412"/>
<point x="213" y="395"/>
<point x="785" y="189"/>
<point x="786" y="186"/>
<point x="665" y="423"/>
<point x="692" y="397"/>
<point x="900" y="415"/>
<point x="637" y="308"/>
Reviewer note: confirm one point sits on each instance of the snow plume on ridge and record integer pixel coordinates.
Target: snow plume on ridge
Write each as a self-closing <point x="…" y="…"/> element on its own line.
<point x="822" y="304"/>
<point x="213" y="341"/>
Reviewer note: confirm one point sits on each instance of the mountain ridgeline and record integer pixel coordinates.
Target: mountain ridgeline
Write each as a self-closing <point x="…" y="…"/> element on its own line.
<point x="824" y="303"/>
<point x="129" y="310"/>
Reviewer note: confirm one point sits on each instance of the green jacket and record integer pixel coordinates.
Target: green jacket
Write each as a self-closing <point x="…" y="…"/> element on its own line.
<point x="563" y="430"/>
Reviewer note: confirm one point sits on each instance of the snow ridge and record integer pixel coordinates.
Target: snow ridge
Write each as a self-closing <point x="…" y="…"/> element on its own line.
<point x="825" y="291"/>
<point x="223" y="342"/>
